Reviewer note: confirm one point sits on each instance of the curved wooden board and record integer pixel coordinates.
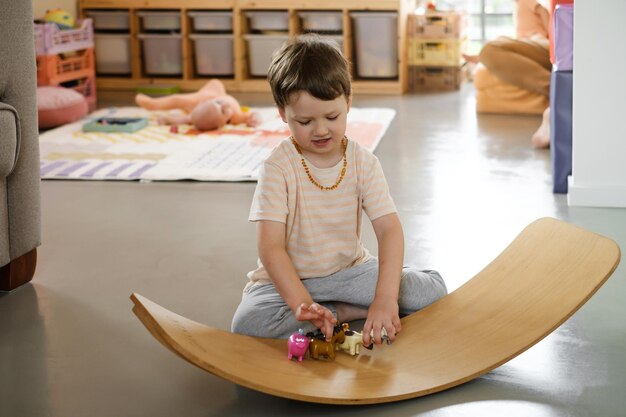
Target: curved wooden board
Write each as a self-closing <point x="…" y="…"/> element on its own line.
<point x="532" y="287"/>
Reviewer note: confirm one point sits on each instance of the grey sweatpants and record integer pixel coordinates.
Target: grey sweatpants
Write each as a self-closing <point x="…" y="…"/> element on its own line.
<point x="263" y="312"/>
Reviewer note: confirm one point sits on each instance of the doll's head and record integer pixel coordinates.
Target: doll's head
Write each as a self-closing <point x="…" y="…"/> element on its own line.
<point x="211" y="115"/>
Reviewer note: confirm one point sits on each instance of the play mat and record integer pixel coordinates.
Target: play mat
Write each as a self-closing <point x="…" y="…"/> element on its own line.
<point x="159" y="153"/>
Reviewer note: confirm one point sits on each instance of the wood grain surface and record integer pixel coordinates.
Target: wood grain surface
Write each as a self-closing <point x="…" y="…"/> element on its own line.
<point x="549" y="271"/>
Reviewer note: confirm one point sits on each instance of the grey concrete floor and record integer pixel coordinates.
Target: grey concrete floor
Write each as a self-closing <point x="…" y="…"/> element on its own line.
<point x="464" y="186"/>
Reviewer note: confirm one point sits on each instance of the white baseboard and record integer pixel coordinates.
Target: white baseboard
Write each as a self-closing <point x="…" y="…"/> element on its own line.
<point x="594" y="195"/>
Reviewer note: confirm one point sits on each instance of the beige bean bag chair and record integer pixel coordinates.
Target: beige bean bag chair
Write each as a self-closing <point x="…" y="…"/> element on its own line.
<point x="495" y="96"/>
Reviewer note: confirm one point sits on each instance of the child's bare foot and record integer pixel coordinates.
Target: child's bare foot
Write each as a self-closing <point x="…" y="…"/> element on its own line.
<point x="349" y="312"/>
<point x="541" y="138"/>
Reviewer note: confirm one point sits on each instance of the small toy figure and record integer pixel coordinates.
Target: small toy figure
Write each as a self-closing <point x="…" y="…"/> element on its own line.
<point x="352" y="343"/>
<point x="318" y="345"/>
<point x="297" y="345"/>
<point x="60" y="17"/>
<point x="383" y="336"/>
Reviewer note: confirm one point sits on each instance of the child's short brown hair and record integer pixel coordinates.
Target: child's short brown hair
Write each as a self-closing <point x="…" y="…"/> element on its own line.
<point x="309" y="63"/>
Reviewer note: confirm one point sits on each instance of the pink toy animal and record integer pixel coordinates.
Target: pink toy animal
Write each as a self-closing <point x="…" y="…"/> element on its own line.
<point x="297" y="345"/>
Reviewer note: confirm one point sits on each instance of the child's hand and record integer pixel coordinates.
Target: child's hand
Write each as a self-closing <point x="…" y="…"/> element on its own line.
<point x="320" y="316"/>
<point x="382" y="314"/>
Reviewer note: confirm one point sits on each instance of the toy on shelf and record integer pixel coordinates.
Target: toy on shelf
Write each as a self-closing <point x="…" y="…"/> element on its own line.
<point x="116" y="124"/>
<point x="297" y="345"/>
<point x="60" y="17"/>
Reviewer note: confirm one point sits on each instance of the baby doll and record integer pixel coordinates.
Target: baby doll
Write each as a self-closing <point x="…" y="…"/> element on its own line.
<point x="207" y="109"/>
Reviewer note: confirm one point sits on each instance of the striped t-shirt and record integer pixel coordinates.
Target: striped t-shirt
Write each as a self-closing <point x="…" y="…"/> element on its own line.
<point x="323" y="228"/>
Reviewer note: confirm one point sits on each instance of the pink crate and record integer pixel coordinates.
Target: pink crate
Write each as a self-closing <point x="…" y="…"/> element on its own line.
<point x="49" y="39"/>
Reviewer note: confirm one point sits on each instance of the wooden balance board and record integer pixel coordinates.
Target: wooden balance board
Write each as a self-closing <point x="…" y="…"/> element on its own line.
<point x="549" y="271"/>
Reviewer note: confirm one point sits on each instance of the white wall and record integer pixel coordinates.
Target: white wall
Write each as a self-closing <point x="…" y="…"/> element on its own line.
<point x="40" y="6"/>
<point x="599" y="123"/>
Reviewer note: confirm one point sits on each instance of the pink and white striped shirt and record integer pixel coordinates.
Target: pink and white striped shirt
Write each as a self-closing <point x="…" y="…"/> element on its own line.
<point x="323" y="228"/>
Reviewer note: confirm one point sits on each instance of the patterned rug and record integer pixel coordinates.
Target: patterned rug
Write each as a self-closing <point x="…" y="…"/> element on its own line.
<point x="156" y="153"/>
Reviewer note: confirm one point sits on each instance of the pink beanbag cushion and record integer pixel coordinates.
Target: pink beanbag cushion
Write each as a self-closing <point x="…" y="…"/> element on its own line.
<point x="57" y="106"/>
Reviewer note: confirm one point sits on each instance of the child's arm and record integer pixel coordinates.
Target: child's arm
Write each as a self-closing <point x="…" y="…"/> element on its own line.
<point x="276" y="260"/>
<point x="384" y="310"/>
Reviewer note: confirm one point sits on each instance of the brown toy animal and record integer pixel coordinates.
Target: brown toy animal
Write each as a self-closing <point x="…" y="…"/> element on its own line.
<point x="320" y="347"/>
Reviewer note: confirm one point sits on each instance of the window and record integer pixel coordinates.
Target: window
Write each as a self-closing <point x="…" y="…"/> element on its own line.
<point x="487" y="19"/>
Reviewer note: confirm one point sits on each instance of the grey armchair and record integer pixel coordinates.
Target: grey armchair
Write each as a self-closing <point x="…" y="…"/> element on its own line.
<point x="20" y="211"/>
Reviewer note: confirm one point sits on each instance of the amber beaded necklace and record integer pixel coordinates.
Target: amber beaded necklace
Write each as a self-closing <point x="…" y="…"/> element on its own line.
<point x="344" y="146"/>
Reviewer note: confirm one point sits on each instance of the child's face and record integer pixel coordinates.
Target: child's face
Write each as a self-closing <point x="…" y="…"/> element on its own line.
<point x="317" y="125"/>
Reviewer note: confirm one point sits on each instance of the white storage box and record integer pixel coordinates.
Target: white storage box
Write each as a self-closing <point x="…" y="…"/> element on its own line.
<point x="113" y="20"/>
<point x="321" y="21"/>
<point x="376" y="44"/>
<point x="213" y="54"/>
<point x="260" y="50"/>
<point x="211" y="21"/>
<point x="161" y="54"/>
<point x="337" y="38"/>
<point x="112" y="53"/>
<point x="268" y="21"/>
<point x="158" y="21"/>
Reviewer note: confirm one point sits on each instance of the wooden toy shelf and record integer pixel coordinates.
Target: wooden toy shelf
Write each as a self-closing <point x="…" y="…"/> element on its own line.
<point x="241" y="81"/>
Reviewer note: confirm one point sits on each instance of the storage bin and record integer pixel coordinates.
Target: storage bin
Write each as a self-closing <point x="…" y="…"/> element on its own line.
<point x="58" y="68"/>
<point x="435" y="78"/>
<point x="337" y="38"/>
<point x="437" y="25"/>
<point x="213" y="54"/>
<point x="322" y="21"/>
<point x="261" y="21"/>
<point x="159" y="21"/>
<point x="211" y="21"/>
<point x="161" y="54"/>
<point x="113" y="54"/>
<point x="49" y="39"/>
<point x="376" y="44"/>
<point x="435" y="52"/>
<point x="109" y="20"/>
<point x="260" y="50"/>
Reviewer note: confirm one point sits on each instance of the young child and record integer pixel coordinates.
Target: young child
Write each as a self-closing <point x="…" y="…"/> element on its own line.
<point x="208" y="108"/>
<point x="313" y="271"/>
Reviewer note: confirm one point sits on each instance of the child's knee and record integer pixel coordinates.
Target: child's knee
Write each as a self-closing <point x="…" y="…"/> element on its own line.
<point x="419" y="289"/>
<point x="439" y="284"/>
<point x="242" y="323"/>
<point x="267" y="323"/>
